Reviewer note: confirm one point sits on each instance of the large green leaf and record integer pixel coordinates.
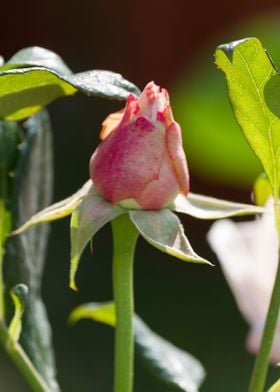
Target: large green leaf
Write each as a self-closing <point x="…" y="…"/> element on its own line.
<point x="34" y="77"/>
<point x="168" y="363"/>
<point x="163" y="230"/>
<point x="205" y="207"/>
<point x="25" y="254"/>
<point x="92" y="213"/>
<point x="251" y="76"/>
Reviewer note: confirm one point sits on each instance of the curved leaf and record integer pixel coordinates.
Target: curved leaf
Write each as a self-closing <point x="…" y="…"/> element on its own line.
<point x="91" y="214"/>
<point x="25" y="254"/>
<point x="18" y="294"/>
<point x="38" y="56"/>
<point x="56" y="211"/>
<point x="205" y="207"/>
<point x="275" y="387"/>
<point x="163" y="230"/>
<point x="24" y="91"/>
<point x="251" y="78"/>
<point x="168" y="363"/>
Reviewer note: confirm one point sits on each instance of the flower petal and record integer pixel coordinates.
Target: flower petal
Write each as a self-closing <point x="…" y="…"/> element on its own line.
<point x="91" y="214"/>
<point x="163" y="230"/>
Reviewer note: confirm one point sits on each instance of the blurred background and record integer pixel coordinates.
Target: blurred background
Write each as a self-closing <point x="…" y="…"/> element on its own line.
<point x="173" y="44"/>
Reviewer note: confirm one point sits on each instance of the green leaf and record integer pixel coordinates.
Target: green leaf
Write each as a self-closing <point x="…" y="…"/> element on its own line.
<point x="56" y="211"/>
<point x="34" y="77"/>
<point x="168" y="363"/>
<point x="262" y="190"/>
<point x="104" y="312"/>
<point x="204" y="207"/>
<point x="90" y="215"/>
<point x="249" y="71"/>
<point x="41" y="57"/>
<point x="25" y="254"/>
<point x="163" y="230"/>
<point x="275" y="387"/>
<point x="18" y="294"/>
<point x="9" y="141"/>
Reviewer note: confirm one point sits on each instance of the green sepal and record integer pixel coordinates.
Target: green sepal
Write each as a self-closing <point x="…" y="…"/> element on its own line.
<point x="91" y="214"/>
<point x="163" y="230"/>
<point x="56" y="211"/>
<point x="205" y="207"/>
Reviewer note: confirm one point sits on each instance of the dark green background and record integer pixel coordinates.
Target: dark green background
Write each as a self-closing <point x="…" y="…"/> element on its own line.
<point x="190" y="305"/>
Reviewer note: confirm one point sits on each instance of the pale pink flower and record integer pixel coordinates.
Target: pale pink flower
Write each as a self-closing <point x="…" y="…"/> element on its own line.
<point x="141" y="162"/>
<point x="248" y="253"/>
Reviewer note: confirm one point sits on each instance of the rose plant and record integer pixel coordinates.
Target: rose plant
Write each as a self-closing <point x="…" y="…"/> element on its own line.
<point x="138" y="179"/>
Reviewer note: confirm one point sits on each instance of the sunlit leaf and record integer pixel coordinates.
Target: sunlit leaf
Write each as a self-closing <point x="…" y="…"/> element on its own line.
<point x="104" y="312"/>
<point x="251" y="80"/>
<point x="168" y="363"/>
<point x="262" y="190"/>
<point x="163" y="230"/>
<point x="91" y="214"/>
<point x="34" y="77"/>
<point x="58" y="210"/>
<point x="275" y="387"/>
<point x="204" y="207"/>
<point x="18" y="294"/>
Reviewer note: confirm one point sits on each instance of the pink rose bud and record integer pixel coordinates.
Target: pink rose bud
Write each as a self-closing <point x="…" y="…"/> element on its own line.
<point x="141" y="162"/>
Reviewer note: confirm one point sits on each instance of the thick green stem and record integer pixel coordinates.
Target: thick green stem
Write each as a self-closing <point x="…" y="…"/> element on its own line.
<point x="125" y="238"/>
<point x="262" y="361"/>
<point x="22" y="362"/>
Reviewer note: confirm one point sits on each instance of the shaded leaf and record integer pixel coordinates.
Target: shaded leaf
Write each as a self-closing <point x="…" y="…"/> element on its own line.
<point x="35" y="76"/>
<point x="25" y="254"/>
<point x="163" y="230"/>
<point x="38" y="56"/>
<point x="205" y="207"/>
<point x="9" y="141"/>
<point x="262" y="190"/>
<point x="168" y="363"/>
<point x="56" y="211"/>
<point x="91" y="214"/>
<point x="18" y="294"/>
<point x="249" y="71"/>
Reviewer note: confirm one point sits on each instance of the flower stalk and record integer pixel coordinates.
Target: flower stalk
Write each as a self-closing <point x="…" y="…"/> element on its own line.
<point x="22" y="362"/>
<point x="125" y="238"/>
<point x="260" y="370"/>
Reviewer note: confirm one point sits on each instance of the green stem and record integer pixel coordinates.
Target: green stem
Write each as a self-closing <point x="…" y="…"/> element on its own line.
<point x="125" y="238"/>
<point x="22" y="362"/>
<point x="262" y="361"/>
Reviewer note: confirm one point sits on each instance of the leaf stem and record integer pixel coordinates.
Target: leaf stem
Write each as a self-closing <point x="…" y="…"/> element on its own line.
<point x="125" y="238"/>
<point x="262" y="361"/>
<point x="22" y="362"/>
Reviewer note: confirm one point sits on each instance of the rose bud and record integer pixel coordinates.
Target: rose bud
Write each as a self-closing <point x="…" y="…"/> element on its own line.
<point x="141" y="162"/>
